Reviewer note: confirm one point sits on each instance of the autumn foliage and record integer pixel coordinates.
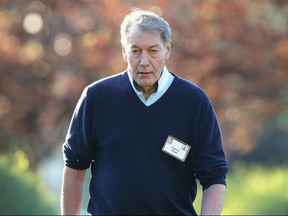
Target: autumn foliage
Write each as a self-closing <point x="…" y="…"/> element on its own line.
<point x="237" y="51"/>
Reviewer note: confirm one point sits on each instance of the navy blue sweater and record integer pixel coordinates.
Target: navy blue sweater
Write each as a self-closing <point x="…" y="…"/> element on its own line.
<point x="121" y="138"/>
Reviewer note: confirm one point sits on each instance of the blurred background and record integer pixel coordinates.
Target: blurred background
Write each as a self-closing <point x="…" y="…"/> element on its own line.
<point x="237" y="51"/>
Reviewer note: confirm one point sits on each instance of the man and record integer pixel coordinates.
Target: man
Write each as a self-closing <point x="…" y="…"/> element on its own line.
<point x="146" y="133"/>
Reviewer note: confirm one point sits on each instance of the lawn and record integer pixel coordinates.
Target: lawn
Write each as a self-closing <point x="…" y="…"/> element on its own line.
<point x="254" y="190"/>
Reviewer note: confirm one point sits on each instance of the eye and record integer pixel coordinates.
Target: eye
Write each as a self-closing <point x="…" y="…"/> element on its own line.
<point x="135" y="52"/>
<point x="153" y="52"/>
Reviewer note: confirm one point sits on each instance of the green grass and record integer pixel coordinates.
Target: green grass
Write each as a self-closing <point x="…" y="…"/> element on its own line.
<point x="255" y="190"/>
<point x="21" y="192"/>
<point x="251" y="190"/>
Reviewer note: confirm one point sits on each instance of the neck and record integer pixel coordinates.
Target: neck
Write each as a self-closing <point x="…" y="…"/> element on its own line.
<point x="147" y="91"/>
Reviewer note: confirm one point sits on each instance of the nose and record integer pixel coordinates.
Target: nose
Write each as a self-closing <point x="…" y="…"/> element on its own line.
<point x="144" y="59"/>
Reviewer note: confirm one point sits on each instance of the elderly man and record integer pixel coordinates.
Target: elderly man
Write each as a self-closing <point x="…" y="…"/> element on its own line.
<point x="146" y="134"/>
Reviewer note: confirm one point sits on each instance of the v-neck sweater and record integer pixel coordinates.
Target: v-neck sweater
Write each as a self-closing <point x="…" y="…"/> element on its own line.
<point x="121" y="138"/>
<point x="164" y="83"/>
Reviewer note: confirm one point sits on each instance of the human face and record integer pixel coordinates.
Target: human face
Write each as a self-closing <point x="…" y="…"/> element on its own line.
<point x="146" y="54"/>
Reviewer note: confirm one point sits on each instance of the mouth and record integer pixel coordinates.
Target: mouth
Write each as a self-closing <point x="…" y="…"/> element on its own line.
<point x="144" y="73"/>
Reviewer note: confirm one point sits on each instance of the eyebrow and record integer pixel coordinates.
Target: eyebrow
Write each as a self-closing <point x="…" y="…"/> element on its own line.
<point x="150" y="47"/>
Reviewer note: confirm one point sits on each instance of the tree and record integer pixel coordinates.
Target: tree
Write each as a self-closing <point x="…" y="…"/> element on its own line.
<point x="235" y="50"/>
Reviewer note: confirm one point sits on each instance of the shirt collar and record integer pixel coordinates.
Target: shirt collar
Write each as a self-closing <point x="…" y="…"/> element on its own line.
<point x="164" y="78"/>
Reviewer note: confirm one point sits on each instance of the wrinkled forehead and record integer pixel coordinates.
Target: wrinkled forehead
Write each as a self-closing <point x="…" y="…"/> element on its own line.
<point x="145" y="40"/>
<point x="137" y="31"/>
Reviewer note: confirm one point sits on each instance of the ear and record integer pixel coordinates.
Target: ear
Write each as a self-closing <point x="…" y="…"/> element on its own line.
<point x="124" y="54"/>
<point x="168" y="50"/>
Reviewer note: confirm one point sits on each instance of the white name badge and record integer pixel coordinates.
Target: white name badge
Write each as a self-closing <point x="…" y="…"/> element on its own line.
<point x="176" y="148"/>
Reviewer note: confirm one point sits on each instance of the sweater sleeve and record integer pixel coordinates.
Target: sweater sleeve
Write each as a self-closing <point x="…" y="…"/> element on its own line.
<point x="77" y="148"/>
<point x="211" y="165"/>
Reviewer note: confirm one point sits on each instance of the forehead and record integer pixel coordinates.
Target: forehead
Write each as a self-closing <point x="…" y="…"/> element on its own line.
<point x="140" y="37"/>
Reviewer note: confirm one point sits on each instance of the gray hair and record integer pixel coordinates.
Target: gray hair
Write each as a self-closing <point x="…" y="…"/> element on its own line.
<point x="144" y="20"/>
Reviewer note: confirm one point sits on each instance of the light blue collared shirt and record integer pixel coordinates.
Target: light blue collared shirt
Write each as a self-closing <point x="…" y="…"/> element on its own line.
<point x="164" y="83"/>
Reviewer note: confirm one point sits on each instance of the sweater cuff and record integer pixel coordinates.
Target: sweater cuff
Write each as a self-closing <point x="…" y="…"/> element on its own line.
<point x="220" y="180"/>
<point x="75" y="161"/>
